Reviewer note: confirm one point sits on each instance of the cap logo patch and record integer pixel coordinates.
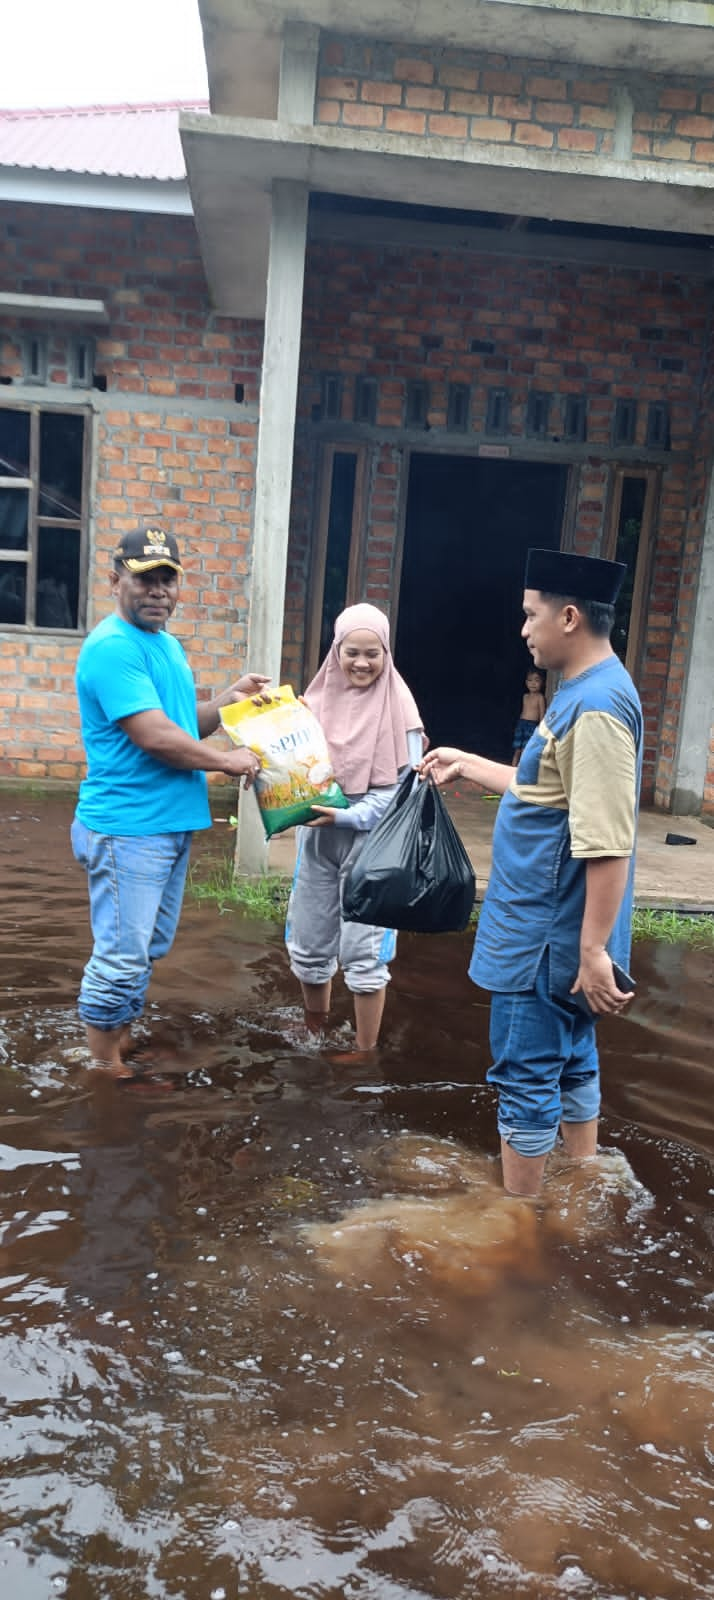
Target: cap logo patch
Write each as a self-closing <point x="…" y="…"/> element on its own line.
<point x="156" y="541"/>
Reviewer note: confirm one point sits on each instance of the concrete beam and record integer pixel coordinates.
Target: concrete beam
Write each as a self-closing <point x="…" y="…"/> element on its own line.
<point x="53" y="307"/>
<point x="234" y="241"/>
<point x="516" y="447"/>
<point x="51" y="396"/>
<point x="233" y="161"/>
<point x="695" y="726"/>
<point x="667" y="36"/>
<point x="274" y="466"/>
<point x="373" y="228"/>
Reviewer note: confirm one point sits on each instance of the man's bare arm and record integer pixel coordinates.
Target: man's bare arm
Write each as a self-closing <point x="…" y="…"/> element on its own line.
<point x="605" y="883"/>
<point x="208" y="711"/>
<point x="154" y="732"/>
<point x="446" y="764"/>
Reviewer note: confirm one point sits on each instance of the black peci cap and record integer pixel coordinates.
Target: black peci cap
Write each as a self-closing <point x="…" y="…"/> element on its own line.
<point x="583" y="577"/>
<point x="146" y="548"/>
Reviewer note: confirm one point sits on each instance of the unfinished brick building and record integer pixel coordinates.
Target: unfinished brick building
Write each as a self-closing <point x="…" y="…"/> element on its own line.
<point x="443" y="290"/>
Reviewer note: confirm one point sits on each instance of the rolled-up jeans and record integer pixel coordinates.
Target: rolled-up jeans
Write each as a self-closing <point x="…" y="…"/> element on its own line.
<point x="545" y="1065"/>
<point x="135" y="895"/>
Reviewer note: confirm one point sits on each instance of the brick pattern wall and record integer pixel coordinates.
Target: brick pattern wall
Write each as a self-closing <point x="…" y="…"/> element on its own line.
<point x="196" y="475"/>
<point x="170" y="444"/>
<point x="305" y="490"/>
<point x="383" y="512"/>
<point x="161" y="338"/>
<point x="399" y="313"/>
<point x="463" y="95"/>
<point x="402" y="314"/>
<point x="38" y="720"/>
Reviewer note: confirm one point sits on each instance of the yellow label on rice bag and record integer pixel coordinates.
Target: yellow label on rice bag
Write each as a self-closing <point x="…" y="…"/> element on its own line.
<point x="295" y="768"/>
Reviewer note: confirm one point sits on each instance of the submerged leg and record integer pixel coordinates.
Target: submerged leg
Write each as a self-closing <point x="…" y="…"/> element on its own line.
<point x="106" y="1045"/>
<point x="580" y="1139"/>
<point x="365" y="954"/>
<point x="316" y="1000"/>
<point x="369" y="1010"/>
<point x="522" y="1175"/>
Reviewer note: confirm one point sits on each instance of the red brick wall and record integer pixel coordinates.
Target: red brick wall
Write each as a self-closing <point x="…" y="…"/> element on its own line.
<point x="466" y="95"/>
<point x="384" y="495"/>
<point x="399" y="313"/>
<point x="170" y="443"/>
<point x="305" y="490"/>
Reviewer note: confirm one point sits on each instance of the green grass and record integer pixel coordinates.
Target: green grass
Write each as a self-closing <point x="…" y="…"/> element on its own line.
<point x="673" y="927"/>
<point x="266" y="898"/>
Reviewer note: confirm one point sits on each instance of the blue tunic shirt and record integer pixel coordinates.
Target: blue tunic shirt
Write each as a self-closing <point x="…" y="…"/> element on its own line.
<point x="573" y="799"/>
<point x="123" y="670"/>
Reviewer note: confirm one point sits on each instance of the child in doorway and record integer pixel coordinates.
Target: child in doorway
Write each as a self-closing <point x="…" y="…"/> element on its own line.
<point x="374" y="734"/>
<point x="532" y="712"/>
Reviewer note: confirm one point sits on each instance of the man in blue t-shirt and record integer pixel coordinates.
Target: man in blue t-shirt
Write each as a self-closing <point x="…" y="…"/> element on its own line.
<point x="145" y="791"/>
<point x="557" y="909"/>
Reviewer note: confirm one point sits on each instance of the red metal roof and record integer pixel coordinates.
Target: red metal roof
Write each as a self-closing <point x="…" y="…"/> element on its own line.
<point x="111" y="141"/>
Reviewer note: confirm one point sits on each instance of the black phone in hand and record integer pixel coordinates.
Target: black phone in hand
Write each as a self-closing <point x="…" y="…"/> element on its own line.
<point x="623" y="981"/>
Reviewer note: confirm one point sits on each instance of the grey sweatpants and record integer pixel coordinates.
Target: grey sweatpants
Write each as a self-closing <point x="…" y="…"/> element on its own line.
<point x="317" y="938"/>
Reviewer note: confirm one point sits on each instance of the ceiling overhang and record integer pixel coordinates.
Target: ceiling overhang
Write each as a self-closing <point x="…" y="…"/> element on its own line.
<point x="233" y="163"/>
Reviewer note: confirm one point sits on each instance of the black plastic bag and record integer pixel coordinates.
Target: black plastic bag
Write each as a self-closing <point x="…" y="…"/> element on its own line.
<point x="413" y="872"/>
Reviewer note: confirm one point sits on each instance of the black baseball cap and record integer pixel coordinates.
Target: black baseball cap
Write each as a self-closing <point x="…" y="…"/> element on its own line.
<point x="145" y="548"/>
<point x="584" y="577"/>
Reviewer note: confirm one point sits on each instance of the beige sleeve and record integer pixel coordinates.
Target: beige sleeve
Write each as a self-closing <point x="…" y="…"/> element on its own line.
<point x="597" y="761"/>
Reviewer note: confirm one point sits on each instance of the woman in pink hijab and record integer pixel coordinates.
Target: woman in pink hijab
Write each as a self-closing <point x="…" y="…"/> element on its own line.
<point x="374" y="734"/>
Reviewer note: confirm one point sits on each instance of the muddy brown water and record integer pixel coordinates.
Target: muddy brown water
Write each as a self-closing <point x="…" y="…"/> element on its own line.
<point x="275" y="1332"/>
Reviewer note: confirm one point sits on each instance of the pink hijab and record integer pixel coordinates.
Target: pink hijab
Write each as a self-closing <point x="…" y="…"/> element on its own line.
<point x="366" y="729"/>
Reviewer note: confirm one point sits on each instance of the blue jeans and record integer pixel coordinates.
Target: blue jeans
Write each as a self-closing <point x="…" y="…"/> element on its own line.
<point x="135" y="895"/>
<point x="545" y="1065"/>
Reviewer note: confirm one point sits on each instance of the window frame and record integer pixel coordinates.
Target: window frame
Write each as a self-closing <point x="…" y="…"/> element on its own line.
<point x="36" y="522"/>
<point x="316" y="586"/>
<point x="645" y="547"/>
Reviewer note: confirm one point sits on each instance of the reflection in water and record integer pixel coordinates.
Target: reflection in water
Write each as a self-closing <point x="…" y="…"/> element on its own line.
<point x="279" y="1333"/>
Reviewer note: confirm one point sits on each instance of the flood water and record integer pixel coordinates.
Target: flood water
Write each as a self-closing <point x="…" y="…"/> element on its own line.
<point x="275" y="1331"/>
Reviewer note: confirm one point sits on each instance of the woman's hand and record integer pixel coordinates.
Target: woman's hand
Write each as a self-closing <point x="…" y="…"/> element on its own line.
<point x="325" y="818"/>
<point x="442" y="765"/>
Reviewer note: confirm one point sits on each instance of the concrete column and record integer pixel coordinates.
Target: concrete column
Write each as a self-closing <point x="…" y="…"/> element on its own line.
<point x="698" y="703"/>
<point x="274" y="466"/>
<point x="278" y="396"/>
<point x="623" y="134"/>
<point x="298" y="72"/>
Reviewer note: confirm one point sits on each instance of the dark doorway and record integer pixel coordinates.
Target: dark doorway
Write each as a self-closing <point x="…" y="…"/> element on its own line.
<point x="468" y="526"/>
